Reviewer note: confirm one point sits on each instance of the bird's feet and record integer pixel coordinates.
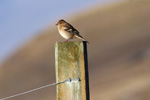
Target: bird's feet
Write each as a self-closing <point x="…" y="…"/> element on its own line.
<point x="67" y="40"/>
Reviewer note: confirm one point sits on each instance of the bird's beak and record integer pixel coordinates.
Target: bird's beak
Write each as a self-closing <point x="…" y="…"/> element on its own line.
<point x="56" y="24"/>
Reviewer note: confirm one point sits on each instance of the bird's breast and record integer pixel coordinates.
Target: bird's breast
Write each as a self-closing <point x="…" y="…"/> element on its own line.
<point x="65" y="34"/>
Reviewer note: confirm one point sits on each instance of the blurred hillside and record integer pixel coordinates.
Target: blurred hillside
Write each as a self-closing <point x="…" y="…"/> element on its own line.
<point x="119" y="56"/>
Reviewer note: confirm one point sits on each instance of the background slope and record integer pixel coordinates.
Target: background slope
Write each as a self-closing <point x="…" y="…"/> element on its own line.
<point x="119" y="56"/>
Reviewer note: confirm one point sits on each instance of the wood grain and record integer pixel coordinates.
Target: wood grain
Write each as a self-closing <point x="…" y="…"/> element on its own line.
<point x="71" y="62"/>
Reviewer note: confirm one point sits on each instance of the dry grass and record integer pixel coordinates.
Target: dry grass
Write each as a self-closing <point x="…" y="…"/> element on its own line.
<point x="119" y="55"/>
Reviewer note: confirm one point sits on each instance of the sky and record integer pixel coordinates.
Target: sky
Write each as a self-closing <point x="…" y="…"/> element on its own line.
<point x="21" y="19"/>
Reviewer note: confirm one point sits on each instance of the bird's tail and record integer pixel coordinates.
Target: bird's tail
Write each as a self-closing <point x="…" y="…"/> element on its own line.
<point x="80" y="37"/>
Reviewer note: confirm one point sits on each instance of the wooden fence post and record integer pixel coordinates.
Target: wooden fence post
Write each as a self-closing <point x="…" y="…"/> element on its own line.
<point x="71" y="62"/>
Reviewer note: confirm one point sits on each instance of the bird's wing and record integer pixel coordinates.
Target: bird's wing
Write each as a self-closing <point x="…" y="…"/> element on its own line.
<point x="70" y="29"/>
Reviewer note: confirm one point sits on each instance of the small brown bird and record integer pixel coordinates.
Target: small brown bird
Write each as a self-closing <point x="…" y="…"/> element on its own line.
<point x="67" y="31"/>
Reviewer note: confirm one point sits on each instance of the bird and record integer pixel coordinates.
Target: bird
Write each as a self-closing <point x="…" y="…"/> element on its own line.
<point x="67" y="31"/>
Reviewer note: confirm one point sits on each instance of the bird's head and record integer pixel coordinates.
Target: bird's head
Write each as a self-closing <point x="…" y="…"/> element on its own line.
<point x="61" y="22"/>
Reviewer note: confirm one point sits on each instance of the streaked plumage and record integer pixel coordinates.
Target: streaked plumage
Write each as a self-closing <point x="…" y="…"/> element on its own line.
<point x="67" y="31"/>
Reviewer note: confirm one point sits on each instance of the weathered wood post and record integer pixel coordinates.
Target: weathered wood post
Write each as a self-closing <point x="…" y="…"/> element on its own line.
<point x="71" y="62"/>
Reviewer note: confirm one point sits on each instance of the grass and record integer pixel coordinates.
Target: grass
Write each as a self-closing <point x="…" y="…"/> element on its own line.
<point x="119" y="53"/>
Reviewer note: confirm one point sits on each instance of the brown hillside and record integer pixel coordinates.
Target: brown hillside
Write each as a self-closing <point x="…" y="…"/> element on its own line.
<point x="119" y="56"/>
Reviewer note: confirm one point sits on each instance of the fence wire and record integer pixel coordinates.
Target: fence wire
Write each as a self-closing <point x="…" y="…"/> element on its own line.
<point x="68" y="80"/>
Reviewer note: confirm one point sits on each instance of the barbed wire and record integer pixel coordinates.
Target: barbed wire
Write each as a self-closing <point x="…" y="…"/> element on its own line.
<point x="68" y="80"/>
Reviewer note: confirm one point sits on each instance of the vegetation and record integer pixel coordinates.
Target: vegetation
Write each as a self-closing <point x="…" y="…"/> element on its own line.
<point x="119" y="56"/>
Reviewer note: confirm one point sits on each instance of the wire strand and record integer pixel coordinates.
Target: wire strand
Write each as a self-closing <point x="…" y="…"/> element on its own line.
<point x="68" y="80"/>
